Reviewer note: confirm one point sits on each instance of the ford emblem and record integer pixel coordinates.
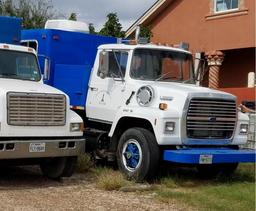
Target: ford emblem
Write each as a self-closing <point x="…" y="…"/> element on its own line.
<point x="212" y="119"/>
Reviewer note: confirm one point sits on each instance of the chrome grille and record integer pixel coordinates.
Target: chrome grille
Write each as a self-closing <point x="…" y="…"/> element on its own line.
<point x="30" y="109"/>
<point x="211" y="118"/>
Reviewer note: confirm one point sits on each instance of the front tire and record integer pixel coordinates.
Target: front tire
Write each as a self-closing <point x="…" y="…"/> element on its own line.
<point x="53" y="167"/>
<point x="138" y="154"/>
<point x="70" y="167"/>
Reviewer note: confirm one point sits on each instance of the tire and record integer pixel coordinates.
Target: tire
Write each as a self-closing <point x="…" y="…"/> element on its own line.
<point x="138" y="154"/>
<point x="70" y="167"/>
<point x="53" y="167"/>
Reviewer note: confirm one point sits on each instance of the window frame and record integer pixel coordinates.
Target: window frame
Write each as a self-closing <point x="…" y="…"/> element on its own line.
<point x="119" y="51"/>
<point x="36" y="60"/>
<point x="227" y="10"/>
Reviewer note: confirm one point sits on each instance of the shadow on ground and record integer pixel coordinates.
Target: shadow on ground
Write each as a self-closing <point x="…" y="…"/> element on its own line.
<point x="27" y="177"/>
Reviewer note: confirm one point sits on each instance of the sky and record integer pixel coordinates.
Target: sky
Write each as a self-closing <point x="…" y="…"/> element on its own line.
<point x="95" y="11"/>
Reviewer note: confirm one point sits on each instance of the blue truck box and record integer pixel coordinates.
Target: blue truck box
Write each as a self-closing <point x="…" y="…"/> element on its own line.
<point x="10" y="30"/>
<point x="70" y="57"/>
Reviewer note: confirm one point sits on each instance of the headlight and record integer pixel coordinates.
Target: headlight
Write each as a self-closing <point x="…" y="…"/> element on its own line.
<point x="169" y="127"/>
<point x="244" y="129"/>
<point x="76" y="127"/>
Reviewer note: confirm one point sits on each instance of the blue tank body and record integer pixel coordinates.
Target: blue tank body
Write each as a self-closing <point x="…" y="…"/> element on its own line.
<point x="10" y="30"/>
<point x="70" y="56"/>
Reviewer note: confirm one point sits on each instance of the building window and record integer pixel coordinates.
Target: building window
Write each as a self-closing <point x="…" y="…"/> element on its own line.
<point x="226" y="5"/>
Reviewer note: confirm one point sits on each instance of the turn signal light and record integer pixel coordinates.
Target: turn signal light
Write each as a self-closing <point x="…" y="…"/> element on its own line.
<point x="163" y="106"/>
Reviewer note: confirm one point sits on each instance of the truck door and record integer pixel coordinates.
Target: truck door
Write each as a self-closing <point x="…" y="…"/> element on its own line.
<point x="107" y="94"/>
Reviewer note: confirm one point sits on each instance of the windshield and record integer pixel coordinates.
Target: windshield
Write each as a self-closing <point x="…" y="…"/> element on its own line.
<point x="162" y="65"/>
<point x="19" y="65"/>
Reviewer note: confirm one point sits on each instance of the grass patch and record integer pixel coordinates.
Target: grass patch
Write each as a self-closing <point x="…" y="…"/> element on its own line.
<point x="184" y="186"/>
<point x="108" y="179"/>
<point x="84" y="163"/>
<point x="235" y="192"/>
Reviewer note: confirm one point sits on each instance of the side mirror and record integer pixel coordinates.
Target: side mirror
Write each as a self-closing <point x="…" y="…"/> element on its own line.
<point x="46" y="69"/>
<point x="103" y="64"/>
<point x="199" y="69"/>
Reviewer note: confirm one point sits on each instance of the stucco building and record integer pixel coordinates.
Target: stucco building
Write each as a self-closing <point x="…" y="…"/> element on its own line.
<point x="220" y="31"/>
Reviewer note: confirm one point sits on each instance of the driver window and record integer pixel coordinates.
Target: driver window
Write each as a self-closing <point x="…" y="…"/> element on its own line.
<point x="117" y="62"/>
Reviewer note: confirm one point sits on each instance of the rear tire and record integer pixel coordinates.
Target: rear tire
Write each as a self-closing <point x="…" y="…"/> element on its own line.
<point x="138" y="154"/>
<point x="53" y="167"/>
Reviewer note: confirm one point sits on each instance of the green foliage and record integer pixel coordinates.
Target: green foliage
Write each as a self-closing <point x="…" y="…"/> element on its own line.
<point x="112" y="27"/>
<point x="110" y="180"/>
<point x="236" y="192"/>
<point x="73" y="17"/>
<point x="145" y="32"/>
<point x="34" y="13"/>
<point x="84" y="163"/>
<point x="91" y="29"/>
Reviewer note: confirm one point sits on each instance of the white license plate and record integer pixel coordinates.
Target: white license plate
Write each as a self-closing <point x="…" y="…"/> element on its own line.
<point x="205" y="159"/>
<point x="37" y="147"/>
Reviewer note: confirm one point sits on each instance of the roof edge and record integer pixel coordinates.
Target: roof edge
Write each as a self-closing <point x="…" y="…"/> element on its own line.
<point x="144" y="17"/>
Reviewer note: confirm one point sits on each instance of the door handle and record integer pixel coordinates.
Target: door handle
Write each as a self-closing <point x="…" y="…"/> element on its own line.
<point x="93" y="89"/>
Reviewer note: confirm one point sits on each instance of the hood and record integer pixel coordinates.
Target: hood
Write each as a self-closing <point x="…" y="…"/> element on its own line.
<point x="13" y="85"/>
<point x="179" y="89"/>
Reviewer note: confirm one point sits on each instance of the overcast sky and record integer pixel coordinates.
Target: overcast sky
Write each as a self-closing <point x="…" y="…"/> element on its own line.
<point x="95" y="11"/>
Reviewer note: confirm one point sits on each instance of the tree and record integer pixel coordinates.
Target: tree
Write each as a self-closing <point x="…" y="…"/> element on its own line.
<point x="91" y="28"/>
<point x="145" y="32"/>
<point x="112" y="27"/>
<point x="73" y="17"/>
<point x="34" y="13"/>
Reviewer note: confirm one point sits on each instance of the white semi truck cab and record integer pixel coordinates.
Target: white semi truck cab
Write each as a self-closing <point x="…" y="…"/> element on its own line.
<point x="36" y="124"/>
<point x="143" y="106"/>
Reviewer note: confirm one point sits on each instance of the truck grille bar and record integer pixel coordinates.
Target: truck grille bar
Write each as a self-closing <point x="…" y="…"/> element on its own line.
<point x="30" y="109"/>
<point x="211" y="118"/>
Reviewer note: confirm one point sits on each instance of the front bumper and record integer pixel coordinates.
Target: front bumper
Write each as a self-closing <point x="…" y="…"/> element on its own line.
<point x="209" y="155"/>
<point x="16" y="149"/>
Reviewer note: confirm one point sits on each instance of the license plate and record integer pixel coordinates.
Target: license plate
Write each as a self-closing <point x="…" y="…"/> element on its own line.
<point x="205" y="159"/>
<point x="37" y="147"/>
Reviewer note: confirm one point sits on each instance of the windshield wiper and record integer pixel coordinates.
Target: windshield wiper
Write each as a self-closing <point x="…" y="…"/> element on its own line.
<point x="162" y="76"/>
<point x="190" y="79"/>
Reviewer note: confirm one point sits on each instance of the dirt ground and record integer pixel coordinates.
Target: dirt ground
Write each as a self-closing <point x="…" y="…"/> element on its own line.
<point x="24" y="188"/>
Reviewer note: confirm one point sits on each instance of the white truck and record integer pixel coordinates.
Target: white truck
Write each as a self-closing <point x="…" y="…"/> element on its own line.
<point x="36" y="123"/>
<point x="140" y="103"/>
<point x="143" y="106"/>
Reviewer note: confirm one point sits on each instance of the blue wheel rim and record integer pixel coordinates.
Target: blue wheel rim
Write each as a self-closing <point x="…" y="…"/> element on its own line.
<point x="132" y="155"/>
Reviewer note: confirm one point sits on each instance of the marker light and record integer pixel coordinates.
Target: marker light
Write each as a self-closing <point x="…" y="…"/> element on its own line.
<point x="163" y="106"/>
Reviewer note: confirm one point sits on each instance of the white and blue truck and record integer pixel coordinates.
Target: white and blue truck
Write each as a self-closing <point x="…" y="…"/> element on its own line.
<point x="36" y="123"/>
<point x="141" y="104"/>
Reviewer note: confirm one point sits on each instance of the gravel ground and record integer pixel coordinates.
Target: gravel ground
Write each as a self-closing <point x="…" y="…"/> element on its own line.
<point x="23" y="188"/>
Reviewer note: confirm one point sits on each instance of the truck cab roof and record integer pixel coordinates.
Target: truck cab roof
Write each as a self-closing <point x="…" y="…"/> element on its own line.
<point x="147" y="46"/>
<point x="4" y="46"/>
